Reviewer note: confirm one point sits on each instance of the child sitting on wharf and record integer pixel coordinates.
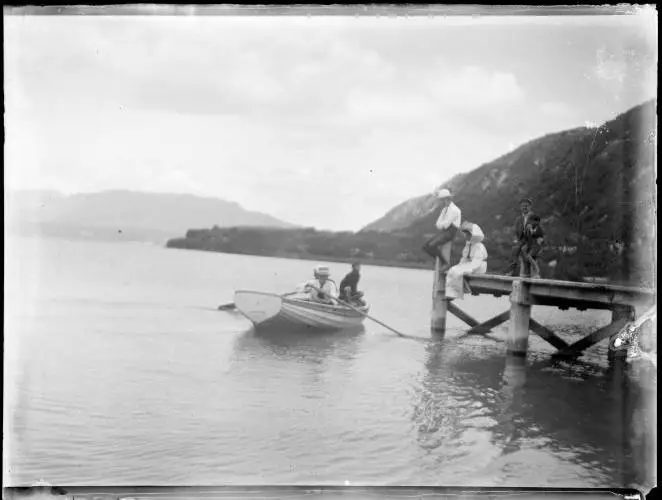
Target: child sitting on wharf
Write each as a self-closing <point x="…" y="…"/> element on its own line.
<point x="531" y="246"/>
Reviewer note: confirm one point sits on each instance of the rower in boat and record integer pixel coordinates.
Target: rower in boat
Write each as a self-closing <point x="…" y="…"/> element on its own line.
<point x="349" y="286"/>
<point x="322" y="282"/>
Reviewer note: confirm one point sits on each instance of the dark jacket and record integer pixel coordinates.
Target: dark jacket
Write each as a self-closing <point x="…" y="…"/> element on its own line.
<point x="530" y="237"/>
<point x="351" y="280"/>
<point x="519" y="227"/>
<point x="535" y="234"/>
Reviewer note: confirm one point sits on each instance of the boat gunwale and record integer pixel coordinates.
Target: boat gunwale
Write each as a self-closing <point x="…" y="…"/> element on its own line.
<point x="317" y="306"/>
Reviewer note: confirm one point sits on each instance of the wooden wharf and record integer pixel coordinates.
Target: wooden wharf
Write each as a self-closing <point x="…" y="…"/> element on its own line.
<point x="525" y="293"/>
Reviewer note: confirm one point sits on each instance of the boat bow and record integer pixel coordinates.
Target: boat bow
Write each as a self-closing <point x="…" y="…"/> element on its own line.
<point x="270" y="309"/>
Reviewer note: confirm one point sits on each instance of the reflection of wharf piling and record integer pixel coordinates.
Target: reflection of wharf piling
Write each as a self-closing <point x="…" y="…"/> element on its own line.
<point x="528" y="292"/>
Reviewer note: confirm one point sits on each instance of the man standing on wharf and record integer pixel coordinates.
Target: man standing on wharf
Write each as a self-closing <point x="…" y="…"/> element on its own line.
<point x="525" y="206"/>
<point x="448" y="223"/>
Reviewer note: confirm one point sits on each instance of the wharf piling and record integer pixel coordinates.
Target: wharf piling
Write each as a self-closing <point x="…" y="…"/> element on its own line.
<point x="439" y="302"/>
<point x="525" y="293"/>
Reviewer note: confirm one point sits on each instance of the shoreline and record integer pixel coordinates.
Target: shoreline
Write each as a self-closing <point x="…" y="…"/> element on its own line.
<point x="323" y="258"/>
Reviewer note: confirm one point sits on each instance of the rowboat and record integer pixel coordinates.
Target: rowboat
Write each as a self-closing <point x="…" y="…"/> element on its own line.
<point x="269" y="310"/>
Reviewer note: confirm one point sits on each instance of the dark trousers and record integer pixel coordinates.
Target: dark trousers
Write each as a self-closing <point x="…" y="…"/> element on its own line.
<point x="532" y="249"/>
<point x="434" y="244"/>
<point x="356" y="297"/>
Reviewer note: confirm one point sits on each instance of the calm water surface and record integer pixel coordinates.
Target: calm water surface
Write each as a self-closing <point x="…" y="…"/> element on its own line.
<point x="119" y="371"/>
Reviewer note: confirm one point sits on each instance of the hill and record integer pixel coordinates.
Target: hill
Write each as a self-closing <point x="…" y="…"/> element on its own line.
<point x="594" y="189"/>
<point x="307" y="243"/>
<point x="134" y="215"/>
<point x="411" y="210"/>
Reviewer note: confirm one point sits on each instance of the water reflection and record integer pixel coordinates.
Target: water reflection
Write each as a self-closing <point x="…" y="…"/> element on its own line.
<point x="633" y="386"/>
<point x="486" y="406"/>
<point x="509" y="428"/>
<point x="576" y="410"/>
<point x="297" y="345"/>
<point x="313" y="351"/>
<point x="449" y="403"/>
<point x="429" y="415"/>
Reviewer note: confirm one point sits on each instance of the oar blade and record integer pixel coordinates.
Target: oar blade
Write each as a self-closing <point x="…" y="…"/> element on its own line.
<point x="359" y="311"/>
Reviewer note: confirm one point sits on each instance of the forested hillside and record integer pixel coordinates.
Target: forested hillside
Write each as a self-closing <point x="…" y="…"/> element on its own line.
<point x="594" y="189"/>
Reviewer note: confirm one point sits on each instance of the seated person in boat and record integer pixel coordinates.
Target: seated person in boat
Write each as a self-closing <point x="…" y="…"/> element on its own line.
<point x="531" y="245"/>
<point x="349" y="286"/>
<point x="322" y="282"/>
<point x="474" y="261"/>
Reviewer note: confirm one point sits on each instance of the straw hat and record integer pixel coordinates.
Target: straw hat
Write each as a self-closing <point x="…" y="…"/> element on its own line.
<point x="322" y="271"/>
<point x="443" y="193"/>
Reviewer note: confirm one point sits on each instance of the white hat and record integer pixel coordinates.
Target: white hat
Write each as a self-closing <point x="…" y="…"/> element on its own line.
<point x="467" y="226"/>
<point x="322" y="271"/>
<point x="443" y="193"/>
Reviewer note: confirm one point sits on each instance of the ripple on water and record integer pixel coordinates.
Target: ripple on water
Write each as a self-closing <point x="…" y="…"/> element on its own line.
<point x="145" y="388"/>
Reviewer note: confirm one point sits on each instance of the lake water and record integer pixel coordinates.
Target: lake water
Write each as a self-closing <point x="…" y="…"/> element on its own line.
<point x="119" y="371"/>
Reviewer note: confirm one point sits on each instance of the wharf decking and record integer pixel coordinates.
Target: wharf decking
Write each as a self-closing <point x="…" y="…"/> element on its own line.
<point x="525" y="293"/>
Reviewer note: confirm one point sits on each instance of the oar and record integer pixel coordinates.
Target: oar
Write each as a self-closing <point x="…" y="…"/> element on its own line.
<point x="231" y="305"/>
<point x="359" y="311"/>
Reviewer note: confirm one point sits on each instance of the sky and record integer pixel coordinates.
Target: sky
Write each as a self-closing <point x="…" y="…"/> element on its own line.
<point x="324" y="121"/>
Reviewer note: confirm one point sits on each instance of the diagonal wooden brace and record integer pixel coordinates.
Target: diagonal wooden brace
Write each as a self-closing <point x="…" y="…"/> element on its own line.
<point x="486" y="326"/>
<point x="592" y="339"/>
<point x="452" y="308"/>
<point x="547" y="334"/>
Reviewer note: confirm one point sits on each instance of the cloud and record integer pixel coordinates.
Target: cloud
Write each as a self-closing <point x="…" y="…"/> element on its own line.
<point x="385" y="105"/>
<point x="286" y="114"/>
<point x="555" y="109"/>
<point x="627" y="70"/>
<point x="234" y="67"/>
<point x="556" y="116"/>
<point x="609" y="68"/>
<point x="442" y="94"/>
<point x="475" y="88"/>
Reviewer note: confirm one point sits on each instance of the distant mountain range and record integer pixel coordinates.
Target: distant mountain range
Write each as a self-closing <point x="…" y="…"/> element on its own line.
<point x="594" y="189"/>
<point x="125" y="215"/>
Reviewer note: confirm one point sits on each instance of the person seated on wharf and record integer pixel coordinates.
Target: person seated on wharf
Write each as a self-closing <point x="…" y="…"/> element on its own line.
<point x="349" y="286"/>
<point x="322" y="282"/>
<point x="526" y="206"/>
<point x="531" y="246"/>
<point x="473" y="261"/>
<point x="448" y="224"/>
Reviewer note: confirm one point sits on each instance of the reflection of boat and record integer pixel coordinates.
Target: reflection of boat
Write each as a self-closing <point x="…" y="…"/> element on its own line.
<point x="289" y="346"/>
<point x="271" y="310"/>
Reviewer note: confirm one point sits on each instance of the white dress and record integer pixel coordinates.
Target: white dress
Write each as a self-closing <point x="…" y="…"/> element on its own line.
<point x="474" y="261"/>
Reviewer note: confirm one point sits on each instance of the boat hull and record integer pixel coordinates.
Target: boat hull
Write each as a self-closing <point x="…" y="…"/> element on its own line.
<point x="268" y="310"/>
